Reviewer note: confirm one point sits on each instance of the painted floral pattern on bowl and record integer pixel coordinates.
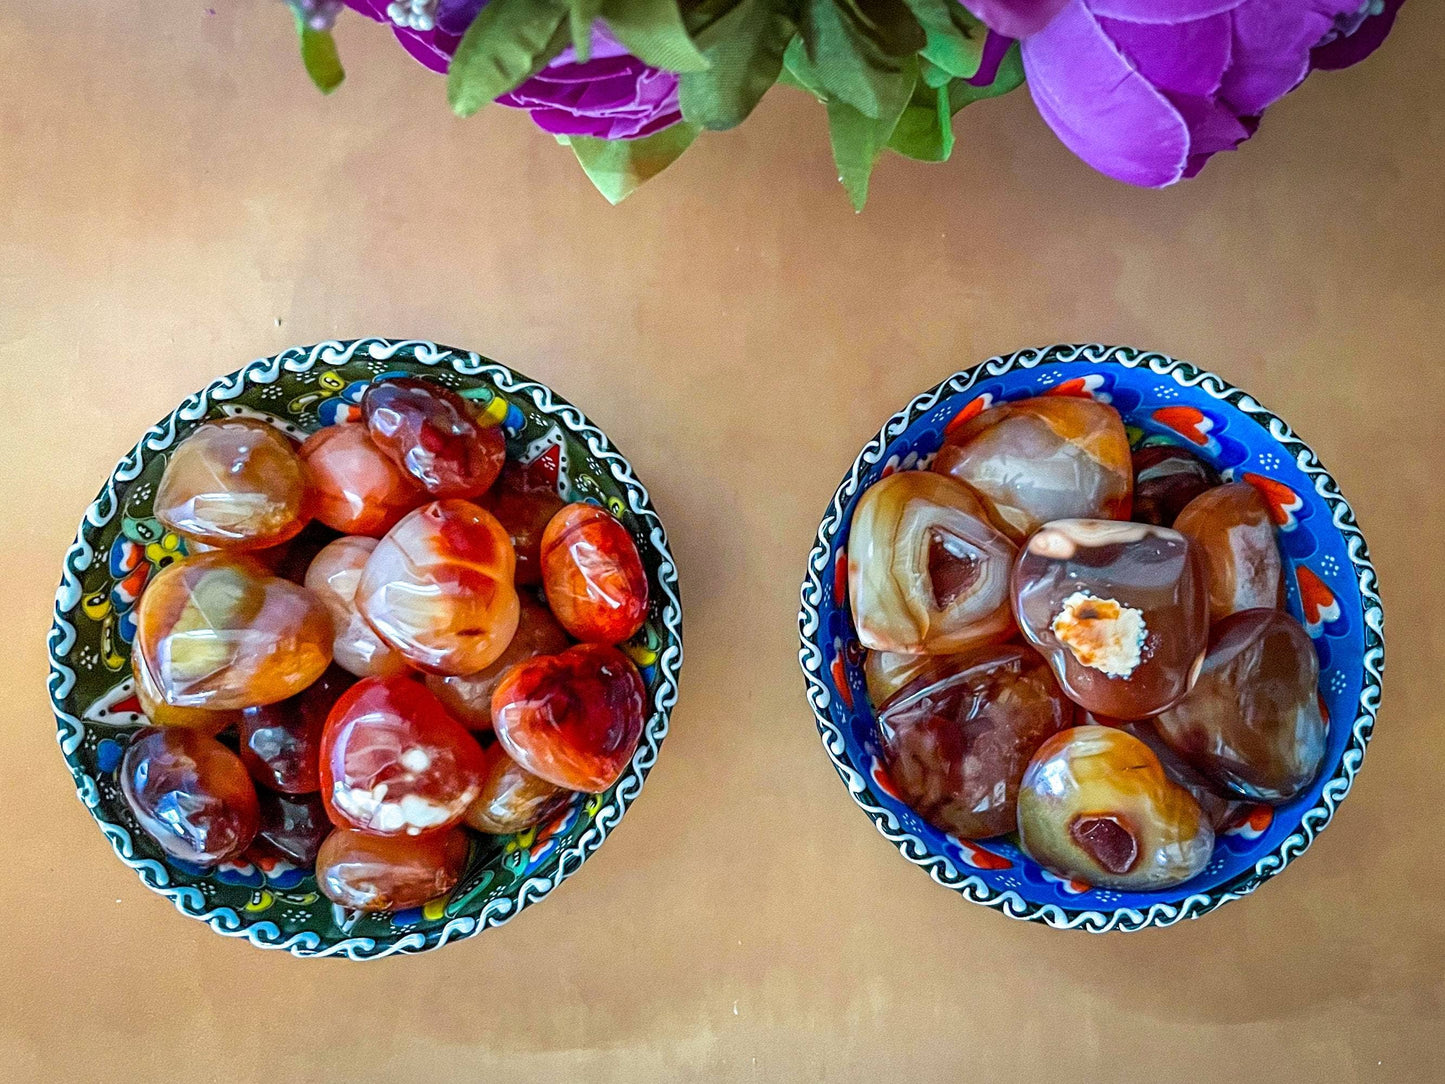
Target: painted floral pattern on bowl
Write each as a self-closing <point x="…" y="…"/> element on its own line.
<point x="1330" y="587"/>
<point x="121" y="545"/>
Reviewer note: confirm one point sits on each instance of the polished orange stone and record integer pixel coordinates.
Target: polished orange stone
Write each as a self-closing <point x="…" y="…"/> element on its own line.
<point x="1096" y="805"/>
<point x="190" y="794"/>
<point x="235" y="484"/>
<point x="429" y="432"/>
<point x="333" y="577"/>
<point x="927" y="573"/>
<point x="469" y="696"/>
<point x="218" y="632"/>
<point x="512" y="798"/>
<point x="154" y="707"/>
<point x="1166" y="478"/>
<point x="524" y="508"/>
<point x="1252" y="723"/>
<point x="367" y="872"/>
<point x="1119" y="609"/>
<point x="280" y="744"/>
<point x="439" y="588"/>
<point x="1036" y="460"/>
<point x="958" y="737"/>
<point x="1233" y="528"/>
<point x="593" y="575"/>
<point x="356" y="488"/>
<point x="393" y="762"/>
<point x="575" y="718"/>
<point x="293" y="827"/>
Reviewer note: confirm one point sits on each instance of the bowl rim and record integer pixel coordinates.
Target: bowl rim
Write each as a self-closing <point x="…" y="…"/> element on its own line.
<point x="302" y="359"/>
<point x="939" y="866"/>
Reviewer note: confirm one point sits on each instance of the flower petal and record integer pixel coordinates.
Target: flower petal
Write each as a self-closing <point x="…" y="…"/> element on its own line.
<point x="1160" y="11"/>
<point x="1188" y="58"/>
<point x="454" y="16"/>
<point x="1222" y="134"/>
<point x="425" y="47"/>
<point x="1272" y="43"/>
<point x="1344" y="51"/>
<point x="1015" y="18"/>
<point x="1100" y="106"/>
<point x="375" y="9"/>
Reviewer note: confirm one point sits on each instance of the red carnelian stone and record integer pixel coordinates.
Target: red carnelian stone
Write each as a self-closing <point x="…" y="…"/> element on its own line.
<point x="468" y="697"/>
<point x="393" y="762"/>
<point x="355" y="487"/>
<point x="281" y="743"/>
<point x="439" y="588"/>
<point x="235" y="484"/>
<point x="958" y="737"/>
<point x="512" y="798"/>
<point x="429" y="433"/>
<point x="524" y="508"/>
<point x="190" y="794"/>
<point x="381" y="873"/>
<point x="575" y="718"/>
<point x="293" y="827"/>
<point x="593" y="575"/>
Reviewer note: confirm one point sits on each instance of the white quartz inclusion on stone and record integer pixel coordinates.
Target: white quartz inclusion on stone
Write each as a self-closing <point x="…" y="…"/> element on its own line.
<point x="411" y="813"/>
<point x="1102" y="633"/>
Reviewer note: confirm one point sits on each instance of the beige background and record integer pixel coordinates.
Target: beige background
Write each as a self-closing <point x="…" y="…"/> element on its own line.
<point x="175" y="200"/>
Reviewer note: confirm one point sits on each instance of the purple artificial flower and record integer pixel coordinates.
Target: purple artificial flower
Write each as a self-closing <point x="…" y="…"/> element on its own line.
<point x="1356" y="37"/>
<point x="1147" y="90"/>
<point x="612" y="95"/>
<point x="1015" y="18"/>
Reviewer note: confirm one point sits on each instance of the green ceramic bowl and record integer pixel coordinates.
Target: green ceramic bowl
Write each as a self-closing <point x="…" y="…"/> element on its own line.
<point x="120" y="544"/>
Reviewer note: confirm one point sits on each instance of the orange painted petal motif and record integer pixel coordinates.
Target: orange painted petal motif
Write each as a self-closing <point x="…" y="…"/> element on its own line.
<point x="1282" y="500"/>
<point x="840" y="682"/>
<point x="1251" y="822"/>
<point x="882" y="781"/>
<point x="1319" y="602"/>
<point x="1192" y="424"/>
<point x="1081" y="387"/>
<point x="1073" y="886"/>
<point x="979" y="858"/>
<point x="974" y="408"/>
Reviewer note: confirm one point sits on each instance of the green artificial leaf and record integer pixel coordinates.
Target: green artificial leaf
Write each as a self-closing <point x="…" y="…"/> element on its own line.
<point x="707" y="20"/>
<point x="859" y="49"/>
<point x="1010" y="76"/>
<point x="798" y="70"/>
<point x="745" y="61"/>
<point x="859" y="139"/>
<point x="510" y="41"/>
<point x="619" y="166"/>
<point x="954" y="37"/>
<point x="653" y="31"/>
<point x="581" y="15"/>
<point x="888" y="25"/>
<point x="933" y="75"/>
<point x="925" y="130"/>
<point x="319" y="55"/>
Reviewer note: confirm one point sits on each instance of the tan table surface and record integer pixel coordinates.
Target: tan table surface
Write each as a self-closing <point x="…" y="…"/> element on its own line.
<point x="175" y="200"/>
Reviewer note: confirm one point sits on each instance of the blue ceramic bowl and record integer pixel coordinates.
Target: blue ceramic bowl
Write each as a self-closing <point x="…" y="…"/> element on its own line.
<point x="120" y="544"/>
<point x="1331" y="590"/>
